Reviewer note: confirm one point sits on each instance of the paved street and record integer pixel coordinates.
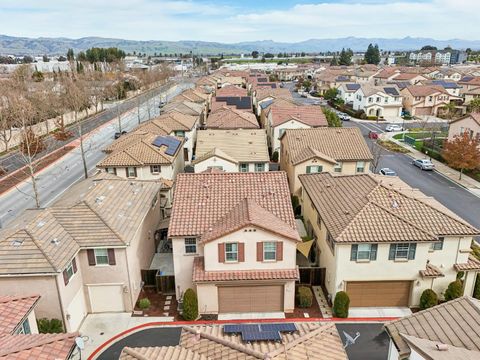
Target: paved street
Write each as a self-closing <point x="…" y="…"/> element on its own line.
<point x="54" y="180"/>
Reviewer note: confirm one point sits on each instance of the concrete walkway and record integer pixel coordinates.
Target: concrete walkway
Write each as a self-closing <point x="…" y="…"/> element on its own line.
<point x="251" y="316"/>
<point x="322" y="302"/>
<point x="467" y="182"/>
<point x="102" y="327"/>
<point x="377" y="312"/>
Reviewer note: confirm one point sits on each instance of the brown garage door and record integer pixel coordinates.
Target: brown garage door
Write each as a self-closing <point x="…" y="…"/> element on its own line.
<point x="379" y="293"/>
<point x="233" y="299"/>
<point x="423" y="110"/>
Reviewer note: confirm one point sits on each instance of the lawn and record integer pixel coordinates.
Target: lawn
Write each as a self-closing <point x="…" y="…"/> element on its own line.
<point x="390" y="145"/>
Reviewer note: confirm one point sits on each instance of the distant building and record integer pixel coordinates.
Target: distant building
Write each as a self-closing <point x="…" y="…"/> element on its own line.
<point x="443" y="57"/>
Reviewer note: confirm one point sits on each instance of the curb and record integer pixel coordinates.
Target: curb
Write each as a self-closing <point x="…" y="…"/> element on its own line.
<point x="134" y="329"/>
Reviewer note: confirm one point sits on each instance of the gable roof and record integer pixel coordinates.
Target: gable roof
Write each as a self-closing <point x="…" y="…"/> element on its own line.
<point x="425" y="90"/>
<point x="456" y="323"/>
<point x="428" y="350"/>
<point x="13" y="310"/>
<point x="339" y="144"/>
<point x="361" y="208"/>
<point x="243" y="103"/>
<point x="242" y="145"/>
<point x="475" y="116"/>
<point x="184" y="107"/>
<point x="37" y="346"/>
<point x="230" y="118"/>
<point x="263" y="93"/>
<point x="231" y="90"/>
<point x="309" y="115"/>
<point x="160" y="353"/>
<point x="202" y="200"/>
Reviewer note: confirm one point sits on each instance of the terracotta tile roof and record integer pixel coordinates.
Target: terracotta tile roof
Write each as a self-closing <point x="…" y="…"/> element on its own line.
<point x="231" y="90"/>
<point x="213" y="171"/>
<point x="472" y="264"/>
<point x="230" y="118"/>
<point x="309" y="115"/>
<point x="386" y="73"/>
<point x="455" y="323"/>
<point x="218" y="103"/>
<point x="37" y="346"/>
<point x="13" y="310"/>
<point x="431" y="271"/>
<point x="238" y="145"/>
<point x="405" y="76"/>
<point x="191" y="95"/>
<point x="160" y="353"/>
<point x="262" y="94"/>
<point x="340" y="144"/>
<point x="360" y="208"/>
<point x="200" y="275"/>
<point x="248" y="213"/>
<point x="429" y="350"/>
<point x="201" y="200"/>
<point x="426" y="90"/>
<point x="214" y="152"/>
<point x="184" y="107"/>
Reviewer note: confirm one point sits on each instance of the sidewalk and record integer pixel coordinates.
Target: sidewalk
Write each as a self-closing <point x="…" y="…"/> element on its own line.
<point x="467" y="182"/>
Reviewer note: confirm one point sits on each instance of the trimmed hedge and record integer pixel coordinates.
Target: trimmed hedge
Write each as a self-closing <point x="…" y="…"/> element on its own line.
<point x="49" y="326"/>
<point x="341" y="304"/>
<point x="428" y="299"/>
<point x="190" y="305"/>
<point x="304" y="297"/>
<point x="454" y="290"/>
<point x="144" y="303"/>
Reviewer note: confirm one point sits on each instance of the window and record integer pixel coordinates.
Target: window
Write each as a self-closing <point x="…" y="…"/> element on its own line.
<point x="402" y="251"/>
<point x="131" y="172"/>
<point x="417" y="98"/>
<point x="430" y="98"/>
<point x="370" y="99"/>
<point x="24" y="328"/>
<point x="280" y="133"/>
<point x="360" y="166"/>
<point x="244" y="167"/>
<point x="69" y="271"/>
<point x="101" y="256"/>
<point x="438" y="245"/>
<point x="259" y="167"/>
<point x="313" y="169"/>
<point x="379" y="99"/>
<point x="215" y="167"/>
<point x="330" y="241"/>
<point x="190" y="245"/>
<point x="155" y="169"/>
<point x="319" y="221"/>
<point x="269" y="251"/>
<point x="361" y="252"/>
<point x="111" y="171"/>
<point x="338" y="167"/>
<point x="180" y="133"/>
<point x="231" y="252"/>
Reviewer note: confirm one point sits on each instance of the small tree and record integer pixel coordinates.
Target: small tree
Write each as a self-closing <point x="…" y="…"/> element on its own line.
<point x="304" y="297"/>
<point x="49" y="326"/>
<point x="463" y="152"/>
<point x="341" y="304"/>
<point x="476" y="289"/>
<point x="144" y="303"/>
<point x="190" y="305"/>
<point x="275" y="156"/>
<point x="454" y="290"/>
<point x="474" y="105"/>
<point x="428" y="299"/>
<point x="330" y="94"/>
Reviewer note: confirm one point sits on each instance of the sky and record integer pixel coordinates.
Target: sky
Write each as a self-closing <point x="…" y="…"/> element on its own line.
<point x="241" y="20"/>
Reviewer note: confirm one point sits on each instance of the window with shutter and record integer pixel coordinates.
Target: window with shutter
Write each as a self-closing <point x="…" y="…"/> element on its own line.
<point x="221" y="252"/>
<point x="259" y="251"/>
<point x="353" y="252"/>
<point x="269" y="251"/>
<point x="373" y="252"/>
<point x="231" y="252"/>
<point x="241" y="252"/>
<point x="279" y="250"/>
<point x="411" y="251"/>
<point x="91" y="257"/>
<point x="391" y="253"/>
<point x="111" y="257"/>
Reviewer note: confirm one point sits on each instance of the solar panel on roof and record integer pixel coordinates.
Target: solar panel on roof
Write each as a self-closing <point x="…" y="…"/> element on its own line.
<point x="240" y="102"/>
<point x="261" y="335"/>
<point x="171" y="143"/>
<point x="283" y="327"/>
<point x="391" y="91"/>
<point x="353" y="86"/>
<point x="232" y="329"/>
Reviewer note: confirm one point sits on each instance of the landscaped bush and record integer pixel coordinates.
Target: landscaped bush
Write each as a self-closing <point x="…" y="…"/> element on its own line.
<point x="304" y="297"/>
<point x="144" y="303"/>
<point x="476" y="289"/>
<point x="341" y="304"/>
<point x="275" y="156"/>
<point x="372" y="118"/>
<point x="49" y="326"/>
<point x="454" y="290"/>
<point x="190" y="305"/>
<point x="428" y="299"/>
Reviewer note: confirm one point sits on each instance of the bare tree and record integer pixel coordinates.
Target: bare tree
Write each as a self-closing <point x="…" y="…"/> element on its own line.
<point x="6" y="116"/>
<point x="377" y="153"/>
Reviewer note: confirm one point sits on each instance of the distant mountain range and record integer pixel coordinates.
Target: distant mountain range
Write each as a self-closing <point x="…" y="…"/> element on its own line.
<point x="59" y="46"/>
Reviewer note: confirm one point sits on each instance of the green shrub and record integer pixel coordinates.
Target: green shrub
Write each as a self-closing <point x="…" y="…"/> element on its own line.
<point x="144" y="303"/>
<point x="454" y="290"/>
<point x="372" y="118"/>
<point x="341" y="304"/>
<point x="296" y="205"/>
<point x="304" y="297"/>
<point x="428" y="299"/>
<point x="190" y="305"/>
<point x="275" y="156"/>
<point x="49" y="326"/>
<point x="476" y="289"/>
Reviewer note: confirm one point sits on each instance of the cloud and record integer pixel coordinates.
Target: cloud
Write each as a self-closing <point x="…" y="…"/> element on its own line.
<point x="211" y="20"/>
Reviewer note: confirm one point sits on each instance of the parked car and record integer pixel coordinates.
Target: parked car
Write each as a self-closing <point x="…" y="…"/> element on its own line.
<point x="393" y="127"/>
<point x="423" y="164"/>
<point x="372" y="135"/>
<point x="118" y="134"/>
<point x="387" y="172"/>
<point x="345" y="117"/>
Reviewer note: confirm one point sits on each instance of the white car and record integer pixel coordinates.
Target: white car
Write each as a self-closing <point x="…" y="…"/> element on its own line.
<point x="393" y="127"/>
<point x="423" y="164"/>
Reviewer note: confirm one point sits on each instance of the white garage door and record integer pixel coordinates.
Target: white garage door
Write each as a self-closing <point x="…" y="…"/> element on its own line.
<point x="106" y="298"/>
<point x="77" y="311"/>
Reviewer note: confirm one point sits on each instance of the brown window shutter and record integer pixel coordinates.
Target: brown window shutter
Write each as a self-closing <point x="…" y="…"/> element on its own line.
<point x="241" y="252"/>
<point x="221" y="252"/>
<point x="65" y="277"/>
<point x="259" y="251"/>
<point x="135" y="169"/>
<point x="111" y="256"/>
<point x="91" y="257"/>
<point x="74" y="265"/>
<point x="279" y="250"/>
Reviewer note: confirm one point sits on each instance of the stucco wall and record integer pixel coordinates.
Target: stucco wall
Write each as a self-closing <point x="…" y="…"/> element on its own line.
<point x="32" y="321"/>
<point x="183" y="265"/>
<point x="275" y="134"/>
<point x="213" y="162"/>
<point x="467" y="124"/>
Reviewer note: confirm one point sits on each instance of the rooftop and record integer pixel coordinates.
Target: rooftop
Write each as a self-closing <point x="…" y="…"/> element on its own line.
<point x="231" y="118"/>
<point x="13" y="310"/>
<point x="309" y="115"/>
<point x="37" y="346"/>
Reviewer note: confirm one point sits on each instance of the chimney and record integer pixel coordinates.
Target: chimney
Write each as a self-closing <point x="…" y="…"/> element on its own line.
<point x="442" y="347"/>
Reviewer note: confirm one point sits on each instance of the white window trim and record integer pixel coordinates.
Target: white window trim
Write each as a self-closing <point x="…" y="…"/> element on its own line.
<point x="231" y="252"/>
<point x="364" y="251"/>
<point x="185" y="246"/>
<point x="274" y="251"/>
<point x="96" y="259"/>
<point x="70" y="266"/>
<point x="407" y="251"/>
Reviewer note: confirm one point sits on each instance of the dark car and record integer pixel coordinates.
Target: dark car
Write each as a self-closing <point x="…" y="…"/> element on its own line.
<point x="387" y="172"/>
<point x="372" y="135"/>
<point x="118" y="134"/>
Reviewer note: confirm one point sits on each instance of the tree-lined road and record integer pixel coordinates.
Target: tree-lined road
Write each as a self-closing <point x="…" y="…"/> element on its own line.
<point x="58" y="177"/>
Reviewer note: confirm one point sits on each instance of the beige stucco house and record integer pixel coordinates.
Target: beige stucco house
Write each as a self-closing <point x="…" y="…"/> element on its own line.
<point x="469" y="123"/>
<point x="84" y="254"/>
<point x="337" y="150"/>
<point x="383" y="242"/>
<point x="234" y="241"/>
<point x="425" y="99"/>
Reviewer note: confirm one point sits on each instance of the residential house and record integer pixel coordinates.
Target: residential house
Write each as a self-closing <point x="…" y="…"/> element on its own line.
<point x="447" y="331"/>
<point x="231" y="90"/>
<point x="234" y="241"/>
<point x="85" y="253"/>
<point x="280" y="117"/>
<point x="466" y="124"/>
<point x="469" y="82"/>
<point x="450" y="86"/>
<point x="311" y="341"/>
<point x="230" y="118"/>
<point x="338" y="150"/>
<point x="187" y="108"/>
<point x="385" y="75"/>
<point x="383" y="242"/>
<point x="412" y="78"/>
<point x="243" y="103"/>
<point x="469" y="95"/>
<point x="346" y="92"/>
<point x="446" y="74"/>
<point x="264" y="95"/>
<point x="232" y="151"/>
<point x="425" y="99"/>
<point x="379" y="101"/>
<point x="195" y="96"/>
<point x="330" y="79"/>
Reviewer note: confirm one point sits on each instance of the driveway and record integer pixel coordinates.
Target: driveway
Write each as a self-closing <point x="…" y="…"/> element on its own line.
<point x="371" y="340"/>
